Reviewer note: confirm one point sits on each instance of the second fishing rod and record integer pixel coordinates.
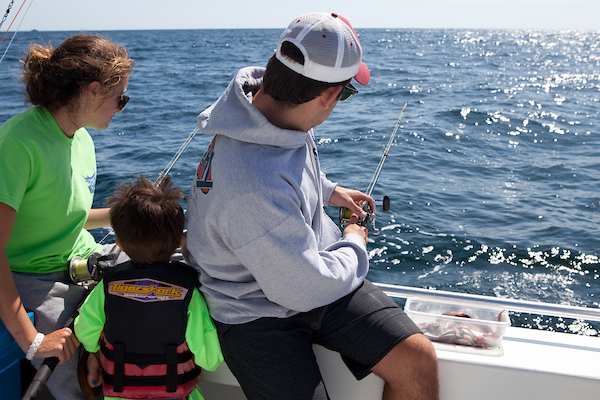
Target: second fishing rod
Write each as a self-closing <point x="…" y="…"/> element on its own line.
<point x="346" y="213"/>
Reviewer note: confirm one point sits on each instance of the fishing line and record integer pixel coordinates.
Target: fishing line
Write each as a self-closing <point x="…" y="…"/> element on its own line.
<point x="12" y="22"/>
<point x="15" y="34"/>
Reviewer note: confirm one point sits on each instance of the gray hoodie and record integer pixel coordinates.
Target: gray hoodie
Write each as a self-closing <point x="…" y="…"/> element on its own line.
<point x="257" y="232"/>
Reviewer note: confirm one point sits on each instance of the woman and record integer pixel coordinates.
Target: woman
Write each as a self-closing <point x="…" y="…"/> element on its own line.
<point x="47" y="184"/>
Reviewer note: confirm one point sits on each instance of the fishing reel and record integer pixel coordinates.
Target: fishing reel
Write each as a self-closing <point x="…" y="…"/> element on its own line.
<point x="346" y="213"/>
<point x="92" y="269"/>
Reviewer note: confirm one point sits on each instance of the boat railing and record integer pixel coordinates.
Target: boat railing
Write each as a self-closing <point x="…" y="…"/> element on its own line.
<point x="525" y="306"/>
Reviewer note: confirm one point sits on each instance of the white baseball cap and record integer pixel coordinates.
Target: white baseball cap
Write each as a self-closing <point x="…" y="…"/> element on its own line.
<point x="332" y="52"/>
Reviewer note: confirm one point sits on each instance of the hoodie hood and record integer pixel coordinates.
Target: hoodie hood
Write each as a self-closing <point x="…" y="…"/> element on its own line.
<point x="233" y="115"/>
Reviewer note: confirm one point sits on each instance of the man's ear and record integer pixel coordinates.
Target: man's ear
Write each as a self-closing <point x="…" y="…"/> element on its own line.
<point x="330" y="95"/>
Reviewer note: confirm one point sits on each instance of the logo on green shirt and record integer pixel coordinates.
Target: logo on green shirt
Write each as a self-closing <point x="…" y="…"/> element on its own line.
<point x="91" y="182"/>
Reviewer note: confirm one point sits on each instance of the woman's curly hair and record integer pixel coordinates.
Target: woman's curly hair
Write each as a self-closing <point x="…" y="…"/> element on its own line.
<point x="55" y="78"/>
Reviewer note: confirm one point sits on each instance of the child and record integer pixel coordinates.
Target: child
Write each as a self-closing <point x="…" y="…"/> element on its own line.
<point x="146" y="316"/>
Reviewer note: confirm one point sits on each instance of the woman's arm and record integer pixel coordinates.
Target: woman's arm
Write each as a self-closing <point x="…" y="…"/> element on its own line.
<point x="98" y="218"/>
<point x="61" y="343"/>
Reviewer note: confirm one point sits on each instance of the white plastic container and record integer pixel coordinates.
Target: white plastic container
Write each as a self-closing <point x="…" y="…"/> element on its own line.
<point x="459" y="324"/>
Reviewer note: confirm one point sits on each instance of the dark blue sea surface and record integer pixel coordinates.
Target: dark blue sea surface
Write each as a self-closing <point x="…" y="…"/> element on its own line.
<point x="493" y="175"/>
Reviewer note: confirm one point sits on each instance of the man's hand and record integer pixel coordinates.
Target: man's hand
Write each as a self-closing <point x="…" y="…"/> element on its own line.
<point x="352" y="200"/>
<point x="352" y="227"/>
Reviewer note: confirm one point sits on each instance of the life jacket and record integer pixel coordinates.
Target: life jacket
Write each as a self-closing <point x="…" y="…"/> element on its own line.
<point x="143" y="349"/>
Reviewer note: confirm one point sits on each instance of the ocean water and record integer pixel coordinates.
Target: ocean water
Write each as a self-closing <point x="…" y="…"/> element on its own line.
<point x="493" y="174"/>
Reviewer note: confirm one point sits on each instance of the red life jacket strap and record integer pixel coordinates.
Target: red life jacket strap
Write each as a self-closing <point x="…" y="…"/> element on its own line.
<point x="152" y="380"/>
<point x="170" y="358"/>
<point x="144" y="359"/>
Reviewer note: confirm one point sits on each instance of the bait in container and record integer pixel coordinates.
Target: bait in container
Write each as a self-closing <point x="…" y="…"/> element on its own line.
<point x="460" y="325"/>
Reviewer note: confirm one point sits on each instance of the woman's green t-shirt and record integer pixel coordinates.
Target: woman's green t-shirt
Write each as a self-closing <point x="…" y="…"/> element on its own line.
<point x="50" y="180"/>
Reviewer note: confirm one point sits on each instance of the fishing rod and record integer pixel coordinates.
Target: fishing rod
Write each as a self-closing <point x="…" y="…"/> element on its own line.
<point x="346" y="213"/>
<point x="165" y="172"/>
<point x="162" y="174"/>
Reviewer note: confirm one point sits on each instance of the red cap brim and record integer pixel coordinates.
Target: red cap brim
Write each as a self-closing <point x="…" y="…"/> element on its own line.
<point x="364" y="75"/>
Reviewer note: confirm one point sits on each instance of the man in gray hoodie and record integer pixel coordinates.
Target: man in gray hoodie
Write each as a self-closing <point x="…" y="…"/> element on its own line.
<point x="276" y="272"/>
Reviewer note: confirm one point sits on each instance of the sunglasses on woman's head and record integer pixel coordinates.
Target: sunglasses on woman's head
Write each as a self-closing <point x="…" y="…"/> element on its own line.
<point x="123" y="99"/>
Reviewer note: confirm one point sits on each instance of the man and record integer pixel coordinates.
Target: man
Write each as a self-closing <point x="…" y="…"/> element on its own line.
<point x="275" y="271"/>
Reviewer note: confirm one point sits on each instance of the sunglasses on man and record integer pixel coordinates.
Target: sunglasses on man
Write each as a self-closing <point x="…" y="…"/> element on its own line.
<point x="347" y="92"/>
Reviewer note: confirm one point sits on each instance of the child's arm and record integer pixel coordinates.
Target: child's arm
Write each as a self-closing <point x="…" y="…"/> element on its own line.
<point x="89" y="324"/>
<point x="94" y="370"/>
<point x="90" y="321"/>
<point x="206" y="347"/>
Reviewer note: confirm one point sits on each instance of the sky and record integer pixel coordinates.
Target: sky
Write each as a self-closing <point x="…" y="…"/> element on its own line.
<point x="97" y="15"/>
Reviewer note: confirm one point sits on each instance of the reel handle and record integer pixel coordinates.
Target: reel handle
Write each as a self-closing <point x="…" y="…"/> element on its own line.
<point x="385" y="203"/>
<point x="346" y="213"/>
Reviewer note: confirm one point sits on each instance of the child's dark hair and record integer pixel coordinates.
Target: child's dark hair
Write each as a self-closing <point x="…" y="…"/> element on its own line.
<point x="148" y="220"/>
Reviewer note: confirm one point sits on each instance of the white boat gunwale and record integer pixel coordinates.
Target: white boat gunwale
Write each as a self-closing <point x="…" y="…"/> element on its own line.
<point x="515" y="305"/>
